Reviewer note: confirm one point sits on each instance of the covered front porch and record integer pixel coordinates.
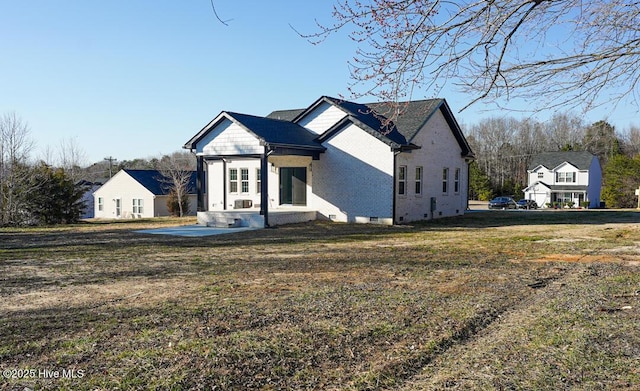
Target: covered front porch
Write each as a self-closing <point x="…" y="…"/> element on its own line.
<point x="557" y="196"/>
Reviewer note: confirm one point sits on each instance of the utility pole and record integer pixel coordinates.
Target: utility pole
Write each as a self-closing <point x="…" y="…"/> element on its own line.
<point x="111" y="159"/>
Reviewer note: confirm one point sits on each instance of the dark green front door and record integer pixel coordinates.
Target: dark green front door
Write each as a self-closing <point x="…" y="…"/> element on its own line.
<point x="293" y="186"/>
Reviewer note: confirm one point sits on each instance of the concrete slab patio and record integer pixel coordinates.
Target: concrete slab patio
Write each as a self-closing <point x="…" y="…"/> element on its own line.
<point x="193" y="230"/>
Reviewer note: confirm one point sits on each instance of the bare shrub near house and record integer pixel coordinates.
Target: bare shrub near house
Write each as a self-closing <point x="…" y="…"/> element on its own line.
<point x="177" y="170"/>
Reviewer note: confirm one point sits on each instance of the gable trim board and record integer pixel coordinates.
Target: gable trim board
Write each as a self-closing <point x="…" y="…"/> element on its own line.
<point x="352" y="158"/>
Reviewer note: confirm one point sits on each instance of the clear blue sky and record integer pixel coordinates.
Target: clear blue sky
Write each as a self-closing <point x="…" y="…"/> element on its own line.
<point x="138" y="78"/>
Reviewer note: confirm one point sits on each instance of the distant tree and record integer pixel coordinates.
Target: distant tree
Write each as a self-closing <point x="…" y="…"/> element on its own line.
<point x="631" y="144"/>
<point x="564" y="132"/>
<point x="56" y="198"/>
<point x="72" y="158"/>
<point x="479" y="184"/>
<point x="621" y="178"/>
<point x="601" y="140"/>
<point x="15" y="148"/>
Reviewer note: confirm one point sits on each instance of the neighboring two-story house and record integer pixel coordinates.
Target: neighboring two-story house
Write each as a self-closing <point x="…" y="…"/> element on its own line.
<point x="335" y="160"/>
<point x="564" y="178"/>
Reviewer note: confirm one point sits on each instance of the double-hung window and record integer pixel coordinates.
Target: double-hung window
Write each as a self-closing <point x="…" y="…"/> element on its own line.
<point x="100" y="204"/>
<point x="244" y="179"/>
<point x="418" y="188"/>
<point x="566" y="177"/>
<point x="445" y="180"/>
<point x="258" y="180"/>
<point x="137" y="205"/>
<point x="402" y="180"/>
<point x="456" y="181"/>
<point x="233" y="180"/>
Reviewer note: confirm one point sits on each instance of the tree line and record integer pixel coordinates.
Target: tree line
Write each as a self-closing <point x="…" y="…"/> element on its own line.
<point x="504" y="147"/>
<point x="50" y="190"/>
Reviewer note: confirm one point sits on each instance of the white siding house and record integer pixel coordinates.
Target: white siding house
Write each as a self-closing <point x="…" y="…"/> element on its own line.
<point x="335" y="160"/>
<point x="136" y="194"/>
<point x="569" y="178"/>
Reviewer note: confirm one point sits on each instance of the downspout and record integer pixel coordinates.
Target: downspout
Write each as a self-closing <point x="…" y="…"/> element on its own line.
<point x="224" y="184"/>
<point x="468" y="182"/>
<point x="264" y="186"/>
<point x="395" y="192"/>
<point x="199" y="183"/>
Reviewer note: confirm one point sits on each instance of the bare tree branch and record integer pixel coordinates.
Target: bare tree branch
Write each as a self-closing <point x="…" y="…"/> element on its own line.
<point x="551" y="53"/>
<point x="224" y="22"/>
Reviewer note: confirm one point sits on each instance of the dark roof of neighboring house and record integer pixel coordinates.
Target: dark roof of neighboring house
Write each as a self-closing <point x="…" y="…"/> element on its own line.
<point x="158" y="184"/>
<point x="562" y="187"/>
<point x="580" y="159"/>
<point x="277" y="132"/>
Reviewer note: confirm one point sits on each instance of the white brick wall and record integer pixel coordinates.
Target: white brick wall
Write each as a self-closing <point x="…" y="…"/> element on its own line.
<point x="439" y="150"/>
<point x="353" y="180"/>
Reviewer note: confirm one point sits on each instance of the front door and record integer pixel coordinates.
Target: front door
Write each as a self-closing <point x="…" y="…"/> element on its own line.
<point x="293" y="186"/>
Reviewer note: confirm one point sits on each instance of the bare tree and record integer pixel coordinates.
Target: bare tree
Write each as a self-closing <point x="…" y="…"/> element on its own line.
<point x="177" y="170"/>
<point x="631" y="139"/>
<point x="565" y="132"/>
<point x="15" y="147"/>
<point x="72" y="158"/>
<point x="559" y="53"/>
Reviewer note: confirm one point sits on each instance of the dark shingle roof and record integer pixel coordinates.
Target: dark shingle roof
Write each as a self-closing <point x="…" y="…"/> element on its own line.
<point x="278" y="132"/>
<point x="156" y="183"/>
<point x="410" y="120"/>
<point x="285" y="115"/>
<point x="580" y="159"/>
<point x="280" y="127"/>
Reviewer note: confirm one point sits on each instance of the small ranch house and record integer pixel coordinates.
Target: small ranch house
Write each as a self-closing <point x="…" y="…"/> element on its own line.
<point x="564" y="178"/>
<point x="138" y="193"/>
<point x="334" y="160"/>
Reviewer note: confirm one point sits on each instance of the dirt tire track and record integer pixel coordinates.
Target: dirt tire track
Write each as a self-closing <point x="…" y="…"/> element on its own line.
<point x="407" y="372"/>
<point x="461" y="368"/>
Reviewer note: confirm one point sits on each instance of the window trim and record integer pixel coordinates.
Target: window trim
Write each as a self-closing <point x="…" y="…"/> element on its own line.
<point x="258" y="180"/>
<point x="456" y="181"/>
<point x="566" y="177"/>
<point x="100" y="204"/>
<point x="418" y="180"/>
<point x="402" y="180"/>
<point x="138" y="207"/>
<point x="244" y="180"/>
<point x="445" y="180"/>
<point x="233" y="180"/>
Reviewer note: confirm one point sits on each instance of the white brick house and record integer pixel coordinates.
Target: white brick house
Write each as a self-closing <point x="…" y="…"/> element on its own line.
<point x="564" y="177"/>
<point x="338" y="160"/>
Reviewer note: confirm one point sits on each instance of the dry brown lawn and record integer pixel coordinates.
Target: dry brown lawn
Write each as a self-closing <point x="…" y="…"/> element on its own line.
<point x="489" y="301"/>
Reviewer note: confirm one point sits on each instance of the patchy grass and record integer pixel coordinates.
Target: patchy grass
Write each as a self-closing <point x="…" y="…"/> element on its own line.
<point x="493" y="300"/>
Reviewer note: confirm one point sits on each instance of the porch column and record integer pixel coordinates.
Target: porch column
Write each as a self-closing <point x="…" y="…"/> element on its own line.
<point x="200" y="183"/>
<point x="264" y="186"/>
